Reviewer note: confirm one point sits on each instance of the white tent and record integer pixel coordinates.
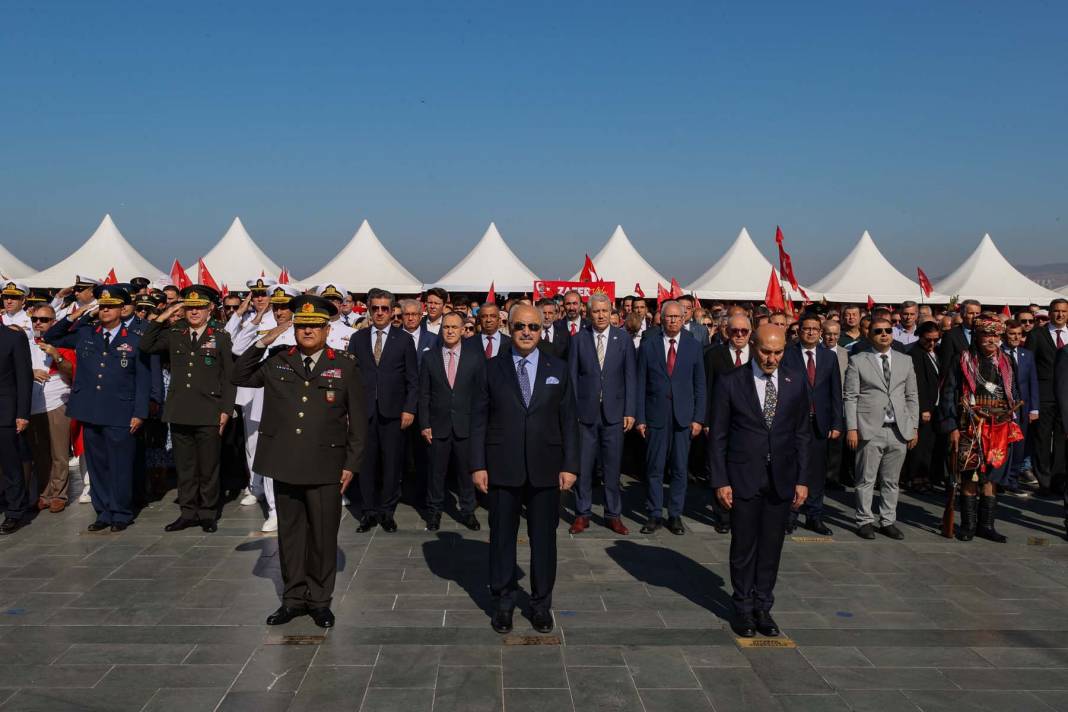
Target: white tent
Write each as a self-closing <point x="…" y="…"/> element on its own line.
<point x="235" y="259"/>
<point x="988" y="277"/>
<point x="619" y="262"/>
<point x="865" y="272"/>
<point x="1063" y="291"/>
<point x="107" y="249"/>
<point x="742" y="273"/>
<point x="491" y="260"/>
<point x="364" y="263"/>
<point x="12" y="267"/>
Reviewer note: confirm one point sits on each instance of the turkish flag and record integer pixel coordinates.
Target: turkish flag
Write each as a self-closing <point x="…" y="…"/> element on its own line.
<point x="925" y="284"/>
<point x="661" y="294"/>
<point x="773" y="297"/>
<point x="871" y="303"/>
<point x="786" y="265"/>
<point x="111" y="278"/>
<point x="283" y="276"/>
<point x="638" y="290"/>
<point x="225" y="290"/>
<point x="178" y="276"/>
<point x="589" y="274"/>
<point x="204" y="276"/>
<point x="491" y="295"/>
<point x="1005" y="312"/>
<point x="676" y="290"/>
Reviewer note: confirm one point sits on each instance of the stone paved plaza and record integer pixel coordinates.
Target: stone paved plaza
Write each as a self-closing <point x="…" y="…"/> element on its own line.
<point x="144" y="620"/>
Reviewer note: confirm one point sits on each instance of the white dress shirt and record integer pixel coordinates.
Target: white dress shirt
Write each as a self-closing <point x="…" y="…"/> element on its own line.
<point x="667" y="343"/>
<point x="734" y="352"/>
<point x="496" y="342"/>
<point x="1053" y="333"/>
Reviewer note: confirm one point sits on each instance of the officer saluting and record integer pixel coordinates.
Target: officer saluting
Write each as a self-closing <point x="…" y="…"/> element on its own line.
<point x="199" y="401"/>
<point x="311" y="439"/>
<point x="110" y="399"/>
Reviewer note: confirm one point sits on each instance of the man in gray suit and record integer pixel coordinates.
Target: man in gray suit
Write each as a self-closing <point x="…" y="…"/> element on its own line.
<point x="882" y="410"/>
<point x="698" y="330"/>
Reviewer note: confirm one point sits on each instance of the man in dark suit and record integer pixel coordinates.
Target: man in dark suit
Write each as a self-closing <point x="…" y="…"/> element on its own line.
<point x="959" y="338"/>
<point x="824" y="380"/>
<point x="554" y="338"/>
<point x="109" y="398"/>
<point x="310" y="443"/>
<point x="604" y="372"/>
<point x="670" y="412"/>
<point x="720" y="360"/>
<point x="758" y="455"/>
<point x="572" y="322"/>
<point x="1027" y="379"/>
<point x="387" y="361"/>
<point x="524" y="451"/>
<point x="451" y="375"/>
<point x="422" y="339"/>
<point x="16" y="388"/>
<point x="199" y="401"/>
<point x="491" y="340"/>
<point x="1046" y="342"/>
<point x="698" y="330"/>
<point x="927" y="457"/>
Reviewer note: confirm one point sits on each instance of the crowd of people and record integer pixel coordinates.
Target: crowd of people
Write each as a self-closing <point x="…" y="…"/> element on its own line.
<point x="279" y="397"/>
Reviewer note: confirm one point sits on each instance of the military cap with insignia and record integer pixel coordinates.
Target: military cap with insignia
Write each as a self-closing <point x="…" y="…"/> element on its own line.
<point x="199" y="295"/>
<point x="111" y="295"/>
<point x="283" y="293"/>
<point x="312" y="309"/>
<point x="81" y="283"/>
<point x="36" y="298"/>
<point x="139" y="283"/>
<point x="260" y="284"/>
<point x="15" y="289"/>
<point x="149" y="301"/>
<point x="332" y="291"/>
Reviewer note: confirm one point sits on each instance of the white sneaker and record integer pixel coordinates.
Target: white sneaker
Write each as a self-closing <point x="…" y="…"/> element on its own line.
<point x="271" y="525"/>
<point x="84" y="497"/>
<point x="249" y="499"/>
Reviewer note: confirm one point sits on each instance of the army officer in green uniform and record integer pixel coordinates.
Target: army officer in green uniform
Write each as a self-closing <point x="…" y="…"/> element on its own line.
<point x="199" y="400"/>
<point x="311" y="441"/>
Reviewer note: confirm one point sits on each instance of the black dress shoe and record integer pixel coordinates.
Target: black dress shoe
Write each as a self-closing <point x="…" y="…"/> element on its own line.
<point x="284" y="614"/>
<point x="209" y="526"/>
<point x="542" y="621"/>
<point x="891" y="531"/>
<point x="674" y="525"/>
<point x="119" y="527"/>
<point x="866" y="531"/>
<point x="819" y="527"/>
<point x="389" y="524"/>
<point x="179" y="524"/>
<point x="502" y="621"/>
<point x="366" y="524"/>
<point x="766" y="624"/>
<point x="98" y="526"/>
<point x="650" y="526"/>
<point x="10" y="525"/>
<point x="791" y="525"/>
<point x="323" y="617"/>
<point x="744" y="626"/>
<point x="434" y="523"/>
<point x="722" y="527"/>
<point x="471" y="522"/>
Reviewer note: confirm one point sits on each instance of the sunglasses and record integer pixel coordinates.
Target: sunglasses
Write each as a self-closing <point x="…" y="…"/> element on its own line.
<point x="380" y="308"/>
<point x="883" y="330"/>
<point x="1026" y="321"/>
<point x="41" y="319"/>
<point x="520" y="326"/>
<point x="738" y="332"/>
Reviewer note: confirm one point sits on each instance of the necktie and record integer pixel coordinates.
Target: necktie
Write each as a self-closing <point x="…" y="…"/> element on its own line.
<point x="934" y="361"/>
<point x="671" y="357"/>
<point x="771" y="399"/>
<point x="886" y="377"/>
<point x="574" y="329"/>
<point x="600" y="350"/>
<point x="451" y="371"/>
<point x="545" y="336"/>
<point x="192" y="340"/>
<point x="737" y="357"/>
<point x="524" y="381"/>
<point x="489" y="347"/>
<point x="811" y="369"/>
<point x="378" y="345"/>
<point x="1060" y="341"/>
<point x="308" y="366"/>
<point x="107" y="340"/>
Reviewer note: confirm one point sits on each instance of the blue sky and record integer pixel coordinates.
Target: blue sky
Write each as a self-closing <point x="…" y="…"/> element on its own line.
<point x="926" y="123"/>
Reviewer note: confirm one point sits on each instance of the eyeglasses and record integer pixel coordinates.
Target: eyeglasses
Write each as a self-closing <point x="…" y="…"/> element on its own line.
<point x="520" y="326"/>
<point x="379" y="308"/>
<point x="469" y="327"/>
<point x="810" y="328"/>
<point x="882" y="330"/>
<point x="41" y="319"/>
<point x="1041" y="318"/>
<point x="1026" y="321"/>
<point x="738" y="332"/>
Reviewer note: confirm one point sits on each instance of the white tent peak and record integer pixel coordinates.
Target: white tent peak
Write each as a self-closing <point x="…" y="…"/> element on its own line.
<point x="236" y="258"/>
<point x="105" y="250"/>
<point x="364" y="263"/>
<point x="620" y="262"/>
<point x="491" y="260"/>
<point x="866" y="272"/>
<point x="988" y="277"/>
<point x="12" y="267"/>
<point x="741" y="273"/>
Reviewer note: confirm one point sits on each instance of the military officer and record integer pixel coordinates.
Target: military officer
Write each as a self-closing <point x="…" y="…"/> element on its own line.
<point x="340" y="332"/>
<point x="83" y="296"/>
<point x="110" y="398"/>
<point x="311" y="442"/>
<point x="14" y="295"/>
<point x="199" y="402"/>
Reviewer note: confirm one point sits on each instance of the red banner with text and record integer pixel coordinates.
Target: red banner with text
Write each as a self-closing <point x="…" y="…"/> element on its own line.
<point x="550" y="288"/>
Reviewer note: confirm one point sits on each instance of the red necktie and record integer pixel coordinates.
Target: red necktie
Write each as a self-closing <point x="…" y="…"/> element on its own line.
<point x="811" y="369"/>
<point x="489" y="347"/>
<point x="737" y="357"/>
<point x="671" y="357"/>
<point x="574" y="330"/>
<point x="1060" y="341"/>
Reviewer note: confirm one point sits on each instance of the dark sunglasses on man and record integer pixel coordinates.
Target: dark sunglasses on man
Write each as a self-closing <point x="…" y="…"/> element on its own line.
<point x="41" y="319"/>
<point x="881" y="330"/>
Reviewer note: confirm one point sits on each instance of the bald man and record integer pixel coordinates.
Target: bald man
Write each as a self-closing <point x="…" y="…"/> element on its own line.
<point x="758" y="459"/>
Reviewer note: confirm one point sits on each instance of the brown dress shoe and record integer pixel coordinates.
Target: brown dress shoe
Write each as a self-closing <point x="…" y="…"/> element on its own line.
<point x="42" y="504"/>
<point x="57" y="505"/>
<point x="580" y="525"/>
<point x="616" y="525"/>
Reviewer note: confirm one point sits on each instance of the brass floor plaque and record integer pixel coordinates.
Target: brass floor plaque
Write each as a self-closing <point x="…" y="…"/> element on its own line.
<point x="765" y="643"/>
<point x="295" y="639"/>
<point x="1037" y="541"/>
<point x="812" y="539"/>
<point x="531" y="640"/>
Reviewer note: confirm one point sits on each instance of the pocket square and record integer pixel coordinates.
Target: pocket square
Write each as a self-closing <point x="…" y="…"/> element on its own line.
<point x="552" y="381"/>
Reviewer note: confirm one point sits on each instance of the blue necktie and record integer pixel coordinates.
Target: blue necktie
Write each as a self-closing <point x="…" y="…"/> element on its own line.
<point x="524" y="381"/>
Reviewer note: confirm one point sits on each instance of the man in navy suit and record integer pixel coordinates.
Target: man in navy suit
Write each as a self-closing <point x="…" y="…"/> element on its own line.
<point x="1027" y="378"/>
<point x="758" y="458"/>
<point x="604" y="373"/>
<point x="109" y="397"/>
<point x="670" y="412"/>
<point x="16" y="386"/>
<point x="391" y="381"/>
<point x="554" y="337"/>
<point x="524" y="451"/>
<point x="1046" y="343"/>
<point x="491" y="340"/>
<point x="824" y="380"/>
<point x="422" y="339"/>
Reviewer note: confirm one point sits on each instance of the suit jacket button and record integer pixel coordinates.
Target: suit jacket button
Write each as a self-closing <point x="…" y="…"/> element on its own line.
<point x="304" y="399"/>
<point x="188" y="385"/>
<point x="298" y="431"/>
<point x="300" y="415"/>
<point x="98" y="388"/>
<point x="99" y="375"/>
<point x="306" y="383"/>
<point x="190" y="363"/>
